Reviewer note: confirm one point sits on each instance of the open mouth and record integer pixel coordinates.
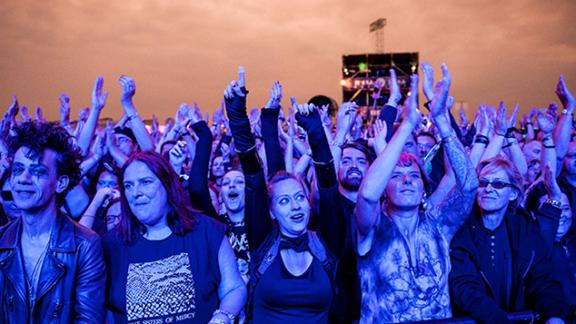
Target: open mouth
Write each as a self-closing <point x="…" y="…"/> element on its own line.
<point x="233" y="195"/>
<point x="297" y="217"/>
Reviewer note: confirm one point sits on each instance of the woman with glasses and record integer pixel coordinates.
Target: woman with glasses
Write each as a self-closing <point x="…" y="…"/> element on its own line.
<point x="500" y="263"/>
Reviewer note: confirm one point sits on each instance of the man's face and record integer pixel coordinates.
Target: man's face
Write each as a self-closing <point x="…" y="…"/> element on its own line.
<point x="532" y="150"/>
<point x="491" y="199"/>
<point x="425" y="144"/>
<point x="34" y="179"/>
<point x="570" y="160"/>
<point x="410" y="146"/>
<point x="125" y="144"/>
<point x="405" y="188"/>
<point x="353" y="166"/>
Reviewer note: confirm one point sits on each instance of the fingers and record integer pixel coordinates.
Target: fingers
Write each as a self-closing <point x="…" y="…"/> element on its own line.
<point x="446" y="74"/>
<point x="241" y="76"/>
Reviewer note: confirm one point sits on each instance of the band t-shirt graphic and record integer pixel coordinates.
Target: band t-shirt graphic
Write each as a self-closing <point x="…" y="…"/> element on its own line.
<point x="160" y="288"/>
<point x="174" y="280"/>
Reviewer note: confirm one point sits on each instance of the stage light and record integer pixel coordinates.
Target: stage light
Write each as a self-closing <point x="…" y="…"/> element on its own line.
<point x="342" y="82"/>
<point x="362" y="66"/>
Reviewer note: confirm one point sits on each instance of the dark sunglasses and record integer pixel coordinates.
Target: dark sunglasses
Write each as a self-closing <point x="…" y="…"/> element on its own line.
<point x="7" y="195"/>
<point x="497" y="184"/>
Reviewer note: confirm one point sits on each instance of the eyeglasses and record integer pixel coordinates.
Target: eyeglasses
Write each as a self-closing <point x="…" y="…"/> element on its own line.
<point x="7" y="195"/>
<point x="496" y="184"/>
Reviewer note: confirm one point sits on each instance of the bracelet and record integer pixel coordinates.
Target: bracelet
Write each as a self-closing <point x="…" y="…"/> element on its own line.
<point x="226" y="313"/>
<point x="548" y="146"/>
<point x="510" y="133"/>
<point x="218" y="321"/>
<point x="132" y="117"/>
<point x="448" y="138"/>
<point x="481" y="139"/>
<point x="554" y="203"/>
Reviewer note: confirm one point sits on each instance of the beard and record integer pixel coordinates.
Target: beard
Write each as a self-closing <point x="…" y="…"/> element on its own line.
<point x="352" y="183"/>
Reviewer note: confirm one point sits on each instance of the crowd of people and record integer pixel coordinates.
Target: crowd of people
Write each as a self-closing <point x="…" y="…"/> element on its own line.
<point x="318" y="213"/>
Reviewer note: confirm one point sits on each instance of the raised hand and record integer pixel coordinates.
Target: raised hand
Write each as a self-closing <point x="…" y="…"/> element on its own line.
<point x="182" y="114"/>
<point x="83" y="114"/>
<point x="546" y="121"/>
<point x="564" y="94"/>
<point x="500" y="123"/>
<point x="551" y="185"/>
<point x="98" y="97"/>
<point x="194" y="114"/>
<point x="178" y="153"/>
<point x="39" y="115"/>
<point x="275" y="96"/>
<point x="395" y="94"/>
<point x="482" y="121"/>
<point x="346" y="115"/>
<point x="428" y="80"/>
<point x="128" y="89"/>
<point x="64" y="109"/>
<point x="411" y="114"/>
<point x="439" y="106"/>
<point x="512" y="118"/>
<point x="380" y="131"/>
<point x="553" y="110"/>
<point x="464" y="122"/>
<point x="24" y="114"/>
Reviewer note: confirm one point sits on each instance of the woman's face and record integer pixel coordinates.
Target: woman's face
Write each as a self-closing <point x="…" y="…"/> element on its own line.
<point x="232" y="191"/>
<point x="8" y="202"/>
<point x="146" y="196"/>
<point x="491" y="199"/>
<point x="290" y="207"/>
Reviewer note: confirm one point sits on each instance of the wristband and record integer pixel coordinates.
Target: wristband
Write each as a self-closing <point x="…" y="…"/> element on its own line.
<point x="132" y="117"/>
<point x="228" y="315"/>
<point x="554" y="203"/>
<point x="548" y="146"/>
<point x="510" y="133"/>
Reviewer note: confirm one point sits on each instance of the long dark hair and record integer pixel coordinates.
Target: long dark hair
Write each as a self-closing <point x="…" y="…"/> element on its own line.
<point x="181" y="216"/>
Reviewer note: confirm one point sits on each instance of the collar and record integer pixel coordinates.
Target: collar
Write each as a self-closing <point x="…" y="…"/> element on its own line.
<point x="61" y="238"/>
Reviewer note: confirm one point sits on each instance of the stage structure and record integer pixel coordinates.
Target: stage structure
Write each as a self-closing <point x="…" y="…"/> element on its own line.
<point x="366" y="77"/>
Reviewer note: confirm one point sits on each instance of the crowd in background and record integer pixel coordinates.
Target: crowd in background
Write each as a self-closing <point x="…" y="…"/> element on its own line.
<point x="306" y="210"/>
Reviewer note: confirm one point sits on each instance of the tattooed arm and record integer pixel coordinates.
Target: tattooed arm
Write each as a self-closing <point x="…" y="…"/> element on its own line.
<point x="464" y="189"/>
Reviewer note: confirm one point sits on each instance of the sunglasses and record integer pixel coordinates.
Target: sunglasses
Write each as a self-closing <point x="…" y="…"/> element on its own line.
<point x="496" y="184"/>
<point x="7" y="195"/>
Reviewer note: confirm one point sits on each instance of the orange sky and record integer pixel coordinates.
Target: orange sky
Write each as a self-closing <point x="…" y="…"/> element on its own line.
<point x="184" y="51"/>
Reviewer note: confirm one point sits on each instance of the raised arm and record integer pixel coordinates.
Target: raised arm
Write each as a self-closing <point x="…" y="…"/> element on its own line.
<point x="378" y="175"/>
<point x="269" y="120"/>
<point x="564" y="130"/>
<point x="464" y="190"/>
<point x="98" y="103"/>
<point x="500" y="129"/>
<point x="136" y="124"/>
<point x="257" y="218"/>
<point x="198" y="181"/>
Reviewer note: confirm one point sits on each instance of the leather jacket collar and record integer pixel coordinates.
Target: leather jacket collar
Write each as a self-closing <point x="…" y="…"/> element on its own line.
<point x="61" y="238"/>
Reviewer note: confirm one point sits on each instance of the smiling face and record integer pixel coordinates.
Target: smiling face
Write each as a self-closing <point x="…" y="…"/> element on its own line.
<point x="290" y="207"/>
<point x="232" y="191"/>
<point x="405" y="189"/>
<point x="353" y="166"/>
<point x="145" y="194"/>
<point x="492" y="199"/>
<point x="34" y="180"/>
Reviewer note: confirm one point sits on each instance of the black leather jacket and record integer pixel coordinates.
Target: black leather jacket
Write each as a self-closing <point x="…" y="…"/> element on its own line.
<point x="72" y="280"/>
